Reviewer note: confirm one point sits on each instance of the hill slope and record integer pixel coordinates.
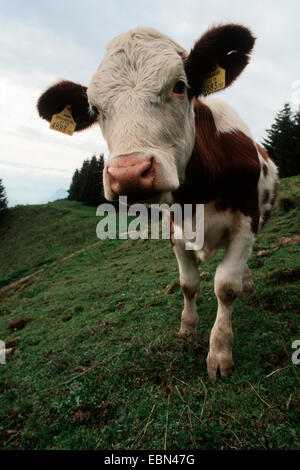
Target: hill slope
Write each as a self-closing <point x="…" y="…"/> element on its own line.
<point x="99" y="364"/>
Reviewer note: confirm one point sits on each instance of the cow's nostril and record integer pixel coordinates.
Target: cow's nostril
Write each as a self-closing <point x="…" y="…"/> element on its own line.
<point x="148" y="170"/>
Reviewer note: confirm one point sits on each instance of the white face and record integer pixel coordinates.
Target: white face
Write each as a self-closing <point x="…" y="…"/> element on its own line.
<point x="143" y="115"/>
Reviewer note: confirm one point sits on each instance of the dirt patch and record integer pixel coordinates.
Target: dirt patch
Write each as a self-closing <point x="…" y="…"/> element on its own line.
<point x="12" y="342"/>
<point x="84" y="415"/>
<point x="286" y="276"/>
<point x="287" y="241"/>
<point x="18" y="324"/>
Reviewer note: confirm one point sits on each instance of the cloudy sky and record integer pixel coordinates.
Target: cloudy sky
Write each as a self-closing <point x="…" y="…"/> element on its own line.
<point x="42" y="41"/>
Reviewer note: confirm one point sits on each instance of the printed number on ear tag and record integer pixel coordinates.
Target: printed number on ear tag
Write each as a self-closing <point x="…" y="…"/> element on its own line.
<point x="215" y="81"/>
<point x="63" y="121"/>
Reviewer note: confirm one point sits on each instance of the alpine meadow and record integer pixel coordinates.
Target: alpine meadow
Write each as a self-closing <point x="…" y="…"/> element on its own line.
<point x="96" y="363"/>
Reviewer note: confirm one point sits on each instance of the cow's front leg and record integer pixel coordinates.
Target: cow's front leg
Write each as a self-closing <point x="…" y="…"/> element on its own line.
<point x="228" y="284"/>
<point x="189" y="283"/>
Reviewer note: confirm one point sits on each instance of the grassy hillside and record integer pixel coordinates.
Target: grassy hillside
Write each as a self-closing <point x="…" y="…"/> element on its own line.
<point x="99" y="364"/>
<point x="34" y="236"/>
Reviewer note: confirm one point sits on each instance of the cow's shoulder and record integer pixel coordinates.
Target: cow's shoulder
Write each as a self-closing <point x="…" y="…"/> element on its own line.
<point x="225" y="117"/>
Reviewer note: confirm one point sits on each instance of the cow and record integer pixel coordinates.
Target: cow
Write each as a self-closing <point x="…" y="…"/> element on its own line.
<point x="170" y="141"/>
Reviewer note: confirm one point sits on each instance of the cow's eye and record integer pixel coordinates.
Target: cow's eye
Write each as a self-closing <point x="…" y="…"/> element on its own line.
<point x="179" y="87"/>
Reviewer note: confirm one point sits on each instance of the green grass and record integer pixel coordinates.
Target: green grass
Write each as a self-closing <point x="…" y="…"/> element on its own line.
<point x="116" y="375"/>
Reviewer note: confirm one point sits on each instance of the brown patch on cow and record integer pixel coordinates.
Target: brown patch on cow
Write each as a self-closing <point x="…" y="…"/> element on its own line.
<point x="188" y="292"/>
<point x="265" y="170"/>
<point x="227" y="294"/>
<point x="263" y="152"/>
<point x="223" y="167"/>
<point x="266" y="196"/>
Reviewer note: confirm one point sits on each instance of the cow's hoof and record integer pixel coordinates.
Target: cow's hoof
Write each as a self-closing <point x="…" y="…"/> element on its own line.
<point x="222" y="363"/>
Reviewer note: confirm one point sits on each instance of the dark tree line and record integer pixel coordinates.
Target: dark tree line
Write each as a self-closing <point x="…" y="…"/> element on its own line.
<point x="3" y="199"/>
<point x="87" y="185"/>
<point x="283" y="142"/>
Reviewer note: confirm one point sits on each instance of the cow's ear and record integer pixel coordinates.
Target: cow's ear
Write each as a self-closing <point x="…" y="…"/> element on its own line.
<point x="227" y="46"/>
<point x="64" y="93"/>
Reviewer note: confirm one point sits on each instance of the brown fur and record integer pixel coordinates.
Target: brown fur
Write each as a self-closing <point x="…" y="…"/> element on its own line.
<point x="213" y="49"/>
<point x="263" y="152"/>
<point x="266" y="196"/>
<point x="265" y="170"/>
<point x="223" y="167"/>
<point x="56" y="97"/>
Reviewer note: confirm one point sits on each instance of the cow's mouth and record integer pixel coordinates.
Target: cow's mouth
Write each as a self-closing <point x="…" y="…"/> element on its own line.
<point x="153" y="197"/>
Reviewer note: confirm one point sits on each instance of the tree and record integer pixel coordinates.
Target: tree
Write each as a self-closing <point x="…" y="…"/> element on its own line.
<point x="283" y="140"/>
<point x="297" y="143"/>
<point x="87" y="185"/>
<point x="94" y="186"/>
<point x="74" y="189"/>
<point x="3" y="199"/>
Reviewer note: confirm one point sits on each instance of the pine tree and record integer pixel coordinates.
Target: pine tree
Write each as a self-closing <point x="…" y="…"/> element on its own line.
<point x="83" y="177"/>
<point x="296" y="162"/>
<point x="3" y="199"/>
<point x="87" y="184"/>
<point x="74" y="189"/>
<point x="93" y="190"/>
<point x="282" y="142"/>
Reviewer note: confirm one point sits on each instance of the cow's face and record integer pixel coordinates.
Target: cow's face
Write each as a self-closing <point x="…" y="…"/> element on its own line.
<point x="145" y="114"/>
<point x="141" y="95"/>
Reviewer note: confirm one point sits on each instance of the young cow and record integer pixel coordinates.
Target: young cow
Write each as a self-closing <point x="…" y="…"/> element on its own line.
<point x="168" y="143"/>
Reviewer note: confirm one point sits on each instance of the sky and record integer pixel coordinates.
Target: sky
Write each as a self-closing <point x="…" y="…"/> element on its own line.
<point x="42" y="41"/>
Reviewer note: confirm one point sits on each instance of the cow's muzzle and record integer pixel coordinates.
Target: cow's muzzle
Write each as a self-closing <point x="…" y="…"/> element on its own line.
<point x="133" y="176"/>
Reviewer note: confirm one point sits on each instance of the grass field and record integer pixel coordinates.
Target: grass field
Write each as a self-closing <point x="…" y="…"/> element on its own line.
<point x="99" y="364"/>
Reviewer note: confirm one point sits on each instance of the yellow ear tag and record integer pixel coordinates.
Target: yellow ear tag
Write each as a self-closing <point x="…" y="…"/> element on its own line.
<point x="63" y="121"/>
<point x="215" y="81"/>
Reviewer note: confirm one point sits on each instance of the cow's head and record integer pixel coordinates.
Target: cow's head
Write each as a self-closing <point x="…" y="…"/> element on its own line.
<point x="141" y="96"/>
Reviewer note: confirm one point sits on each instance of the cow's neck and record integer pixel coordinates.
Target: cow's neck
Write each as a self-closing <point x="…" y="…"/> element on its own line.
<point x="222" y="167"/>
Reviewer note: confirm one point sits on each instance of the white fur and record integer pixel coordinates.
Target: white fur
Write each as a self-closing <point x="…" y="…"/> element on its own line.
<point x="132" y="90"/>
<point x="226" y="118"/>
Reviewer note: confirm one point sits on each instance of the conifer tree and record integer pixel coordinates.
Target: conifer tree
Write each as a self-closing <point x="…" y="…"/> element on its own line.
<point x="3" y="199"/>
<point x="282" y="142"/>
<point x="87" y="184"/>
<point x="74" y="189"/>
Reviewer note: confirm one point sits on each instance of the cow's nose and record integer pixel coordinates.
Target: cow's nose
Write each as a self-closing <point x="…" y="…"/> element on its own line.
<point x="132" y="175"/>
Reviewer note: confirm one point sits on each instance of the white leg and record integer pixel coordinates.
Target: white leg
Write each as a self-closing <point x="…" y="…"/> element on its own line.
<point x="189" y="282"/>
<point x="228" y="284"/>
